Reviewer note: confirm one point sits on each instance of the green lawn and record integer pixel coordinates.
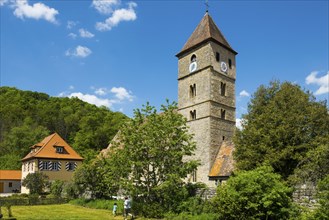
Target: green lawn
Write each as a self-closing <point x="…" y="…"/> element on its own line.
<point x="64" y="211"/>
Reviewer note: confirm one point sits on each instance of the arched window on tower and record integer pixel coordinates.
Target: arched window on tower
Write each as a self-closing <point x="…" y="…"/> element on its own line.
<point x="192" y="90"/>
<point x="217" y="57"/>
<point x="222" y="89"/>
<point x="222" y="113"/>
<point x="230" y="63"/>
<point x="193" y="58"/>
<point x="193" y="115"/>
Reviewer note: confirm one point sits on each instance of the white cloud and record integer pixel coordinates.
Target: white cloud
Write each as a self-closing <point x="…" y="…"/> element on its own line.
<point x="118" y="16"/>
<point x="79" y="51"/>
<point x="85" y="34"/>
<point x="101" y="91"/>
<point x="72" y="35"/>
<point x="3" y="2"/>
<point x="122" y="94"/>
<point x="244" y="93"/>
<point x="92" y="99"/>
<point x="105" y="6"/>
<point x="71" y="24"/>
<point x="36" y="11"/>
<point x="238" y="123"/>
<point x="322" y="82"/>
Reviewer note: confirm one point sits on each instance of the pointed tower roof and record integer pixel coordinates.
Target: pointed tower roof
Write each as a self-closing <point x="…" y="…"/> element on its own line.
<point x="47" y="149"/>
<point x="207" y="30"/>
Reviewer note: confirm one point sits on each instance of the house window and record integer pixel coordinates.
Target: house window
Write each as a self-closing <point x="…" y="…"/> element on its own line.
<point x="223" y="89"/>
<point x="230" y="63"/>
<point x="10" y="184"/>
<point x="193" y="115"/>
<point x="192" y="90"/>
<point x="217" y="57"/>
<point x="222" y="113"/>
<point x="70" y="166"/>
<point x="55" y="166"/>
<point x="45" y="165"/>
<point x="60" y="150"/>
<point x="193" y="58"/>
<point x="194" y="179"/>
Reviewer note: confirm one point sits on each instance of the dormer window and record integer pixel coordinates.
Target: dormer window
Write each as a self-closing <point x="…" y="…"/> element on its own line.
<point x="59" y="150"/>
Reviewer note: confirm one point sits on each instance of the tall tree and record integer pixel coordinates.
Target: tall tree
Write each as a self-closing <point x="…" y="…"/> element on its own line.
<point x="280" y="128"/>
<point x="152" y="149"/>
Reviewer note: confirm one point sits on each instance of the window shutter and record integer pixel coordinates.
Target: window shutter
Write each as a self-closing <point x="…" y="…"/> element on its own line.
<point x="59" y="165"/>
<point x="50" y="165"/>
<point x="75" y="165"/>
<point x="40" y="165"/>
<point x="67" y="166"/>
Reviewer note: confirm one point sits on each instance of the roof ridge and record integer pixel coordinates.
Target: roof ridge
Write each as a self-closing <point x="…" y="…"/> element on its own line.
<point x="45" y="144"/>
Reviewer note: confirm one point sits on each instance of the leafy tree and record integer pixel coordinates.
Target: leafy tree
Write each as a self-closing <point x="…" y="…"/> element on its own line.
<point x="255" y="194"/>
<point x="279" y="129"/>
<point x="322" y="212"/>
<point x="57" y="188"/>
<point x="151" y="152"/>
<point x="314" y="166"/>
<point x="16" y="143"/>
<point x="96" y="178"/>
<point x="36" y="182"/>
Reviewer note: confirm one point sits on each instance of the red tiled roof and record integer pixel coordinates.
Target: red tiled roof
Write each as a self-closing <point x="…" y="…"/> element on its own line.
<point x="47" y="149"/>
<point x="10" y="175"/>
<point x="205" y="31"/>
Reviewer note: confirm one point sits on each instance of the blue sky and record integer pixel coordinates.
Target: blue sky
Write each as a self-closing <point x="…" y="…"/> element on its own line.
<point x="121" y="54"/>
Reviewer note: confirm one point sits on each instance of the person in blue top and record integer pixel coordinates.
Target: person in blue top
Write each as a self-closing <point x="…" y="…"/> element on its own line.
<point x="115" y="207"/>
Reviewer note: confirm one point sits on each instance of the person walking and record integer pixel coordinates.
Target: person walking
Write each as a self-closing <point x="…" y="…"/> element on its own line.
<point x="127" y="208"/>
<point x="115" y="207"/>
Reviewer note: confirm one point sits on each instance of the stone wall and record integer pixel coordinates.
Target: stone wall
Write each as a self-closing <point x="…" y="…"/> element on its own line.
<point x="304" y="195"/>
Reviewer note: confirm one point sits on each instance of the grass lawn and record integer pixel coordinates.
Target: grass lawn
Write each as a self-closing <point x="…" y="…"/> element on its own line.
<point x="64" y="211"/>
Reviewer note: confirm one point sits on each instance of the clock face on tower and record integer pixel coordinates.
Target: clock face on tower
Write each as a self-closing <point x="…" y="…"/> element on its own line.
<point x="193" y="66"/>
<point x="223" y="66"/>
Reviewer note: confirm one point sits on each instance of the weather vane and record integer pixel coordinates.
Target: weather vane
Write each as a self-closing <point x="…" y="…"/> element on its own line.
<point x="207" y="5"/>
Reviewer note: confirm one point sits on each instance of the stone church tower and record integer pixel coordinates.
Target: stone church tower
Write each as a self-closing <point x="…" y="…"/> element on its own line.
<point x="206" y="97"/>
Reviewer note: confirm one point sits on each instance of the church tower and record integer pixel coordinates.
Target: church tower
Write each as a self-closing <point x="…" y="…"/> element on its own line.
<point x="206" y="95"/>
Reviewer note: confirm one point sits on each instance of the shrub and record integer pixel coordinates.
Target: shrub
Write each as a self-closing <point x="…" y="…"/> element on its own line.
<point x="255" y="194"/>
<point x="187" y="216"/>
<point x="57" y="188"/>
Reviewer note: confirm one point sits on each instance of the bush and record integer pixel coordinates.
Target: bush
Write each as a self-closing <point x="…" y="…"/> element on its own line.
<point x="187" y="216"/>
<point x="255" y="194"/>
<point x="57" y="188"/>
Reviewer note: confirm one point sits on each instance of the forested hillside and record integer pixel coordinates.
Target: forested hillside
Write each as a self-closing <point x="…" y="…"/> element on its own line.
<point x="27" y="117"/>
